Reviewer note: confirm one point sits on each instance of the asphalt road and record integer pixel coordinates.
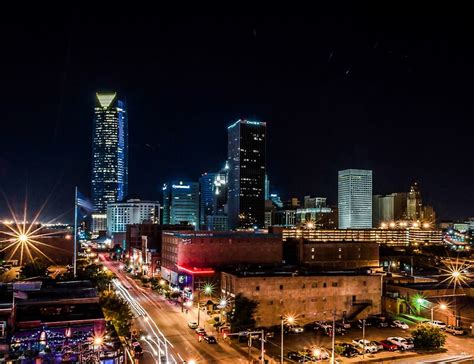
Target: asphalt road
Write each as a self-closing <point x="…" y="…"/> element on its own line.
<point x="164" y="321"/>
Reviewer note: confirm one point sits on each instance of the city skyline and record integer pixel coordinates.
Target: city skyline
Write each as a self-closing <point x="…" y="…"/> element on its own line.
<point x="358" y="124"/>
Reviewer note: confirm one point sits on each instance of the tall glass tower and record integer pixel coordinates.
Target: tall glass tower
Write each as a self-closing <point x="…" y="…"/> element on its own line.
<point x="246" y="155"/>
<point x="109" y="151"/>
<point x="181" y="203"/>
<point x="355" y="199"/>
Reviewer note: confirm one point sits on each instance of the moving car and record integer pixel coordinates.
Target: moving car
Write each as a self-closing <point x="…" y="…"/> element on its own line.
<point x="365" y="345"/>
<point x="200" y="331"/>
<point x="400" y="324"/>
<point x="210" y="339"/>
<point x="388" y="345"/>
<point x="295" y="329"/>
<point x="193" y="325"/>
<point x="455" y="330"/>
<point x="437" y="323"/>
<point x="402" y="343"/>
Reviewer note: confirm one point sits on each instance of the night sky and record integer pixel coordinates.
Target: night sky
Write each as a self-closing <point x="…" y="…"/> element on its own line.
<point x="358" y="88"/>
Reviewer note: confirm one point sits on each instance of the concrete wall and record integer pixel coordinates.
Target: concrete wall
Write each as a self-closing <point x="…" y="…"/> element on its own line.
<point x="310" y="298"/>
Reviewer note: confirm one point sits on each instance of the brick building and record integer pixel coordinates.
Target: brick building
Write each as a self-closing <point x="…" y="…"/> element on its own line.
<point x="186" y="254"/>
<point x="309" y="297"/>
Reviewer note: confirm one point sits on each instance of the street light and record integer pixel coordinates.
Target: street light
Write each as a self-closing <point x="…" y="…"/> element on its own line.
<point x="442" y="306"/>
<point x="288" y="320"/>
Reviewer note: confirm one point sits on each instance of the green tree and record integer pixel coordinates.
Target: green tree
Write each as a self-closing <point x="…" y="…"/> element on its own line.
<point x="427" y="336"/>
<point x="35" y="268"/>
<point x="242" y="316"/>
<point x="117" y="311"/>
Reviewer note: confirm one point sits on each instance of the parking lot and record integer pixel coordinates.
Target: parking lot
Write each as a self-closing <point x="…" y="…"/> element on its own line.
<point x="309" y="339"/>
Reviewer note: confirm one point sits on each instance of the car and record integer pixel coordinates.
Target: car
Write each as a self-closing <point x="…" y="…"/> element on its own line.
<point x="200" y="331"/>
<point x="193" y="325"/>
<point x="377" y="345"/>
<point x="349" y="350"/>
<point x="388" y="345"/>
<point x="295" y="329"/>
<point x="402" y="343"/>
<point x="344" y="324"/>
<point x="455" y="330"/>
<point x="326" y="328"/>
<point x="361" y="323"/>
<point x="437" y="323"/>
<point x="137" y="350"/>
<point x="269" y="334"/>
<point x="293" y="355"/>
<point x="365" y="345"/>
<point x="399" y="324"/>
<point x="210" y="339"/>
<point x="378" y="321"/>
<point x="316" y="353"/>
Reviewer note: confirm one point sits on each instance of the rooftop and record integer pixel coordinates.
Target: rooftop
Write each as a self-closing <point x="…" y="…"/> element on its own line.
<point x="293" y="271"/>
<point x="219" y="234"/>
<point x="59" y="313"/>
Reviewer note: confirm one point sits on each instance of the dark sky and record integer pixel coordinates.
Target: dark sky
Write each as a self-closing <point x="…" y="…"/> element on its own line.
<point x="386" y="89"/>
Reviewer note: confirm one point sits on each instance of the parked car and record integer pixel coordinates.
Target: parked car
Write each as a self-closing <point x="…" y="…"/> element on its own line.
<point x="200" y="331"/>
<point x="293" y="355"/>
<point x="377" y="321"/>
<point x="388" y="345"/>
<point x="210" y="339"/>
<point x="437" y="323"/>
<point x="365" y="345"/>
<point x="349" y="350"/>
<point x="402" y="343"/>
<point x="316" y="353"/>
<point x="455" y="330"/>
<point x="344" y="324"/>
<point x="295" y="329"/>
<point x="399" y="324"/>
<point x="193" y="325"/>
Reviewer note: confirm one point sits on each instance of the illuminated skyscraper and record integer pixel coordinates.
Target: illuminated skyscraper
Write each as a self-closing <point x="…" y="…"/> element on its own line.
<point x="206" y="186"/>
<point x="109" y="151"/>
<point x="414" y="203"/>
<point x="181" y="203"/>
<point x="355" y="199"/>
<point x="246" y="179"/>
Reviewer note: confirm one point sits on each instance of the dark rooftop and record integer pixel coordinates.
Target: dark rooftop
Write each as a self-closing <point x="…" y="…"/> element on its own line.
<point x="59" y="313"/>
<point x="293" y="271"/>
<point x="219" y="234"/>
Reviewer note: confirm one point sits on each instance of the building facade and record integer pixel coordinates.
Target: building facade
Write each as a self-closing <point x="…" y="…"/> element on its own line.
<point x="109" y="151"/>
<point x="206" y="189"/>
<point x="388" y="208"/>
<point x="310" y="297"/>
<point x="355" y="199"/>
<point x="134" y="211"/>
<point x="247" y="166"/>
<point x="181" y="203"/>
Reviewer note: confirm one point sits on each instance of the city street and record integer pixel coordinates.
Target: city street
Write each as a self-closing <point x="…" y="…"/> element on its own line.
<point x="161" y="320"/>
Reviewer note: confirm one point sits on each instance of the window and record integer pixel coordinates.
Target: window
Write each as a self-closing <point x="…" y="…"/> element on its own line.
<point x="312" y="257"/>
<point x="270" y="302"/>
<point x="303" y="286"/>
<point x="364" y="283"/>
<point x="324" y="285"/>
<point x="340" y="249"/>
<point x="312" y="250"/>
<point x="257" y="288"/>
<point x="340" y="256"/>
<point x="334" y="284"/>
<point x="324" y="298"/>
<point x="314" y="285"/>
<point x="281" y="287"/>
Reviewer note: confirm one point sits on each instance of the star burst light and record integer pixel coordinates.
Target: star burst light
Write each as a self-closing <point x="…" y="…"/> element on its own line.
<point x="455" y="271"/>
<point x="22" y="236"/>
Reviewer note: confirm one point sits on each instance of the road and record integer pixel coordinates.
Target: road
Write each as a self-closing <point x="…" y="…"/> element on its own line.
<point x="163" y="321"/>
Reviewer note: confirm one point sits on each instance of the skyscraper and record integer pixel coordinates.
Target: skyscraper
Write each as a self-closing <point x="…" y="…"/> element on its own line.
<point x="246" y="155"/>
<point x="206" y="187"/>
<point x="109" y="151"/>
<point x="414" y="203"/>
<point x="181" y="203"/>
<point x="355" y="199"/>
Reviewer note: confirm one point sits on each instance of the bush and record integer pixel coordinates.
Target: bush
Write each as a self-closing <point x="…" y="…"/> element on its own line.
<point x="117" y="311"/>
<point x="427" y="336"/>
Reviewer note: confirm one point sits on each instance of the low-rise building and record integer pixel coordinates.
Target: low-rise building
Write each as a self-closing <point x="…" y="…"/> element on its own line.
<point x="133" y="211"/>
<point x="309" y="296"/>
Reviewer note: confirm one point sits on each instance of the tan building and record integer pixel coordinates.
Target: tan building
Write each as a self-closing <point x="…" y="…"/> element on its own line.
<point x="386" y="236"/>
<point x="307" y="297"/>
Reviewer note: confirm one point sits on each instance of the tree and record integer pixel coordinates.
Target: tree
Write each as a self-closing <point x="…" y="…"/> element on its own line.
<point x="242" y="316"/>
<point x="35" y="268"/>
<point x="427" y="336"/>
<point x="117" y="311"/>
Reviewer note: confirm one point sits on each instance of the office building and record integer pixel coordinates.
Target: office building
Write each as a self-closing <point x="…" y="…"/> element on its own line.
<point x="206" y="190"/>
<point x="314" y="202"/>
<point x="276" y="200"/>
<point x="388" y="208"/>
<point x="414" y="203"/>
<point x="285" y="218"/>
<point x="267" y="188"/>
<point x="309" y="296"/>
<point x="109" y="151"/>
<point x="355" y="199"/>
<point x="181" y="203"/>
<point x="99" y="223"/>
<point x="216" y="222"/>
<point x="133" y="211"/>
<point x="246" y="183"/>
<point x="213" y="198"/>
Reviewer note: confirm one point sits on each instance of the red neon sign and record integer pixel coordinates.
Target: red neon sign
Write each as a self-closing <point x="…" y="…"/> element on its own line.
<point x="196" y="270"/>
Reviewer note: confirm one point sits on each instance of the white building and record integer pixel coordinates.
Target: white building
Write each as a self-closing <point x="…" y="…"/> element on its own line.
<point x="355" y="199"/>
<point x="121" y="214"/>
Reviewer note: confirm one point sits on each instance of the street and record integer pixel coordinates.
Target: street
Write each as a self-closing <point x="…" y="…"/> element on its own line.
<point x="162" y="321"/>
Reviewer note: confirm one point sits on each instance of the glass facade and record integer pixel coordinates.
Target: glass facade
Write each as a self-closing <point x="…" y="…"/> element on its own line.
<point x="355" y="199"/>
<point x="246" y="179"/>
<point x="181" y="203"/>
<point x="206" y="186"/>
<point x="121" y="214"/>
<point x="109" y="151"/>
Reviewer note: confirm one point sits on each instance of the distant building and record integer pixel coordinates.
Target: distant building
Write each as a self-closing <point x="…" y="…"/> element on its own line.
<point x="181" y="203"/>
<point x="247" y="160"/>
<point x="292" y="203"/>
<point x="414" y="203"/>
<point x="133" y="211"/>
<point x="285" y="218"/>
<point x="276" y="200"/>
<point x="213" y="197"/>
<point x="109" y="151"/>
<point x="388" y="208"/>
<point x="99" y="223"/>
<point x="267" y="188"/>
<point x="309" y="296"/>
<point x="314" y="202"/>
<point x="355" y="199"/>
<point x="216" y="222"/>
<point x="206" y="189"/>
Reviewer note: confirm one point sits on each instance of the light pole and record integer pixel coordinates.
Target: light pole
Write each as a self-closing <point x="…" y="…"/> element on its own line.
<point x="455" y="275"/>
<point x="289" y="320"/>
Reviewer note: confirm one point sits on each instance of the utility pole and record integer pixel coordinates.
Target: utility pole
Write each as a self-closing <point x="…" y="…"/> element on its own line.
<point x="363" y="338"/>
<point x="333" y="335"/>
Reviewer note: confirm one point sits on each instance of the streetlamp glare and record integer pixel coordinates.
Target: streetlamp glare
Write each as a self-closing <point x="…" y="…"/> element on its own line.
<point x="23" y="238"/>
<point x="97" y="340"/>
<point x="456" y="274"/>
<point x="443" y="306"/>
<point x="290" y="319"/>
